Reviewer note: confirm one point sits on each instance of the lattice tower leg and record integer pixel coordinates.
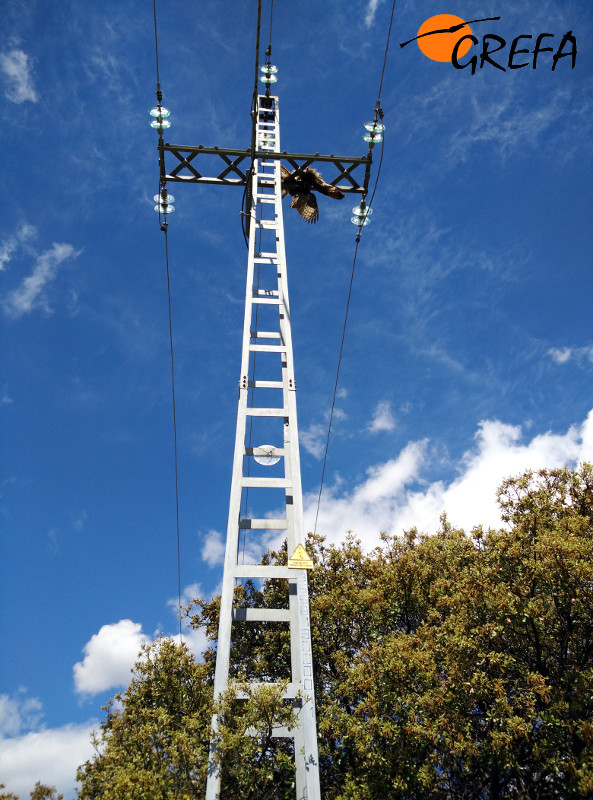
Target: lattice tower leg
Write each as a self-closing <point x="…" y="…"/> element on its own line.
<point x="270" y="388"/>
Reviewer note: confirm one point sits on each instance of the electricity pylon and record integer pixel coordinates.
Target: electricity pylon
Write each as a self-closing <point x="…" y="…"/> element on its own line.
<point x="267" y="414"/>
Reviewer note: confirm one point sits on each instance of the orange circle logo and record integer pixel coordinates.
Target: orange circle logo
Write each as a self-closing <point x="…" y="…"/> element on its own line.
<point x="438" y="35"/>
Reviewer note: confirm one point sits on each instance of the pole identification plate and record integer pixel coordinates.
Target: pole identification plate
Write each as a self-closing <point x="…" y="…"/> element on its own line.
<point x="300" y="559"/>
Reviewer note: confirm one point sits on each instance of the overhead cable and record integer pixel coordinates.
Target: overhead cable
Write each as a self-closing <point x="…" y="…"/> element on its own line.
<point x="164" y="227"/>
<point x="378" y="115"/>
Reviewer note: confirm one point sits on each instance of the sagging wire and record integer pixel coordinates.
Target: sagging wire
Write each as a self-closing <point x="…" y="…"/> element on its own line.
<point x="164" y="207"/>
<point x="176" y="459"/>
<point x="364" y="209"/>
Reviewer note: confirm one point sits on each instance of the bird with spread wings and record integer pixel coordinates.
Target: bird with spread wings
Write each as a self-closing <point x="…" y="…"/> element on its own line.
<point x="300" y="185"/>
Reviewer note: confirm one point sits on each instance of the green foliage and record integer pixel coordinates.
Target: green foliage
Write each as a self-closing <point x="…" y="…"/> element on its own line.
<point x="254" y="764"/>
<point x="40" y="792"/>
<point x="153" y="743"/>
<point x="447" y="666"/>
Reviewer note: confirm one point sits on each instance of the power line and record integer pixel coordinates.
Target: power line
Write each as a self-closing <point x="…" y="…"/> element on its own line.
<point x="162" y="208"/>
<point x="156" y="45"/>
<point x="174" y="428"/>
<point x="378" y="115"/>
<point x="386" y="51"/>
<point x="269" y="50"/>
<point x="331" y="416"/>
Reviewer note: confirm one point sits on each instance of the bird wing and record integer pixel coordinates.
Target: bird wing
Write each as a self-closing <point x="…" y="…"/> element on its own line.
<point x="306" y="205"/>
<point x="284" y="173"/>
<point x="326" y="188"/>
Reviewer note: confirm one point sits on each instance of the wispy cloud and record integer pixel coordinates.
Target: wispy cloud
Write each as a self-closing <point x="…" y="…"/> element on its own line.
<point x="79" y="520"/>
<point x="563" y="355"/>
<point x="5" y="398"/>
<point x="188" y="595"/>
<point x="314" y="438"/>
<point x="213" y="548"/>
<point x="371" y="11"/>
<point x="18" y="713"/>
<point x="428" y="260"/>
<point x="10" y="245"/>
<point x="16" y="71"/>
<point x="396" y="495"/>
<point x="383" y="419"/>
<point x="505" y="124"/>
<point x="31" y="293"/>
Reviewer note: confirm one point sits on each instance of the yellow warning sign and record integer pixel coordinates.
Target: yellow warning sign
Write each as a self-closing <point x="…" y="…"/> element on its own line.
<point x="300" y="559"/>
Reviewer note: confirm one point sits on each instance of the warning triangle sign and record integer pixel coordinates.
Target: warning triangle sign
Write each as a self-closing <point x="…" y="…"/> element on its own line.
<point x="300" y="559"/>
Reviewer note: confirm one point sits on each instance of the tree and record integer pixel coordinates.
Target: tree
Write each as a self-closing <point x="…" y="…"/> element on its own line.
<point x="153" y="742"/>
<point x="40" y="792"/>
<point x="447" y="666"/>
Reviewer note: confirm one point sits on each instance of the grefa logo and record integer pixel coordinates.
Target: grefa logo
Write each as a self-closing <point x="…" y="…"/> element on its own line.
<point x="446" y="37"/>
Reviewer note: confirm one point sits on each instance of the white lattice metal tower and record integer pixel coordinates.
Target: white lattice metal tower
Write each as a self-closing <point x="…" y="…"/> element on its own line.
<point x="267" y="409"/>
<point x="266" y="475"/>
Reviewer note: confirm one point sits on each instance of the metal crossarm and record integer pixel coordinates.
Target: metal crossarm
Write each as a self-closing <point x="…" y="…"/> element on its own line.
<point x="237" y="163"/>
<point x="266" y="494"/>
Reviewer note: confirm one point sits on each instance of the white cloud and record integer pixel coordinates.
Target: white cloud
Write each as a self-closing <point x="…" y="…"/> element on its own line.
<point x="188" y="594"/>
<point x="49" y="756"/>
<point x="79" y="520"/>
<point x="369" y="505"/>
<point x="9" y="246"/>
<point x="5" y="398"/>
<point x="390" y="499"/>
<point x="213" y="548"/>
<point x="371" y="11"/>
<point x="196" y="641"/>
<point x="30" y="294"/>
<point x="560" y="356"/>
<point x="18" y="713"/>
<point x="252" y="547"/>
<point x="313" y="439"/>
<point x="383" y="419"/>
<point x="16" y="69"/>
<point x="109" y="657"/>
<point x="565" y="354"/>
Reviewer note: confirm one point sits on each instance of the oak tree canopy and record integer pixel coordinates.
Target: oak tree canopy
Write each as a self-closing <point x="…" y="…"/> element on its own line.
<point x="458" y="665"/>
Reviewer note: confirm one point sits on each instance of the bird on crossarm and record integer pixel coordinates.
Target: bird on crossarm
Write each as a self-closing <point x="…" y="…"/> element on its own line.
<point x="300" y="185"/>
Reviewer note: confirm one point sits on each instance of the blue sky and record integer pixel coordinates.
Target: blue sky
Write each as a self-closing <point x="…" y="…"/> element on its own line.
<point x="469" y="349"/>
